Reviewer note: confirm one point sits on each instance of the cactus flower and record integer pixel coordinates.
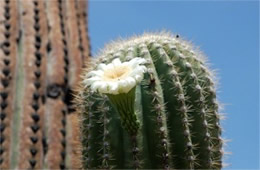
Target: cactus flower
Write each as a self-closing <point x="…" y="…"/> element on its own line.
<point x="118" y="81"/>
<point x="116" y="77"/>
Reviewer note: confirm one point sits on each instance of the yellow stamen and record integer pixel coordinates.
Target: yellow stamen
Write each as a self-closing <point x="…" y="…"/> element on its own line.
<point x="116" y="73"/>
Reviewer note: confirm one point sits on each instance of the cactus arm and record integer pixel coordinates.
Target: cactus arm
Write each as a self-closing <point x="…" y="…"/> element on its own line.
<point x="181" y="138"/>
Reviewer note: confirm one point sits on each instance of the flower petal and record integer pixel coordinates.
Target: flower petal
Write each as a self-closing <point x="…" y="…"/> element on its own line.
<point x="131" y="81"/>
<point x="136" y="61"/>
<point x="138" y="78"/>
<point x="102" y="66"/>
<point x="96" y="85"/>
<point x="103" y="88"/>
<point x="113" y="87"/>
<point x="89" y="81"/>
<point x="116" y="62"/>
<point x="95" y="73"/>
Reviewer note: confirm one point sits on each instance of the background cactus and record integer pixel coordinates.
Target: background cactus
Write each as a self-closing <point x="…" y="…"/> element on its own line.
<point x="43" y="44"/>
<point x="175" y="104"/>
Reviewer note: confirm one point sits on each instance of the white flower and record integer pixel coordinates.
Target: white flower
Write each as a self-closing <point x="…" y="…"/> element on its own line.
<point x="116" y="77"/>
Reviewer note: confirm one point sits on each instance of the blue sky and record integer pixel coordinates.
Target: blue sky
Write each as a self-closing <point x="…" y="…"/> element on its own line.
<point x="226" y="31"/>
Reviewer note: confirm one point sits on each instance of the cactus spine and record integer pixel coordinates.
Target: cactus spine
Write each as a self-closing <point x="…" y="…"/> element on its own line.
<point x="175" y="105"/>
<point x="43" y="44"/>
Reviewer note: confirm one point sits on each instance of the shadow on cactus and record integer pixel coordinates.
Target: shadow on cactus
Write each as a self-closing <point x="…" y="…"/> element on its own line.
<point x="149" y="102"/>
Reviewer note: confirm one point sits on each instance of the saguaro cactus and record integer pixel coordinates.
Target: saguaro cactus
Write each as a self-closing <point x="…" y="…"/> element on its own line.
<point x="175" y="120"/>
<point x="43" y="44"/>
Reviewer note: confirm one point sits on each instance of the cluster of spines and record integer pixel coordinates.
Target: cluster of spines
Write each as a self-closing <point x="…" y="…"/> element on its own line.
<point x="171" y="84"/>
<point x="83" y="31"/>
<point x="212" y="118"/>
<point x="6" y="71"/>
<point x="105" y="151"/>
<point x="185" y="70"/>
<point x="35" y="127"/>
<point x="151" y="91"/>
<point x="135" y="148"/>
<point x="81" y="47"/>
<point x="198" y="113"/>
<point x="86" y="127"/>
<point x="65" y="91"/>
<point x="180" y="74"/>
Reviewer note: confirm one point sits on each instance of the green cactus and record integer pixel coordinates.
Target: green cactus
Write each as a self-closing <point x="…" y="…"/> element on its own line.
<point x="175" y="110"/>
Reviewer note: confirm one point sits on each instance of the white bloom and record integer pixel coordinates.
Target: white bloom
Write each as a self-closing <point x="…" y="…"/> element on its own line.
<point x="116" y="77"/>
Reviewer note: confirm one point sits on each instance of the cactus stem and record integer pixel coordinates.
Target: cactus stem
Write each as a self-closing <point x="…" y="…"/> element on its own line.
<point x="124" y="104"/>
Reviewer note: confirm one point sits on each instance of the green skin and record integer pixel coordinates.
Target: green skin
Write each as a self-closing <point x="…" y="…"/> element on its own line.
<point x="175" y="113"/>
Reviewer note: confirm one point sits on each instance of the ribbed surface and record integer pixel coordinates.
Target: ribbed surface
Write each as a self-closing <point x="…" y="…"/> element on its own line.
<point x="175" y="104"/>
<point x="43" y="45"/>
<point x="8" y="52"/>
<point x="33" y="83"/>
